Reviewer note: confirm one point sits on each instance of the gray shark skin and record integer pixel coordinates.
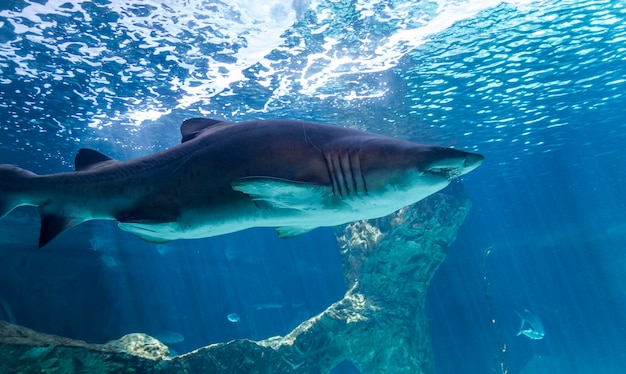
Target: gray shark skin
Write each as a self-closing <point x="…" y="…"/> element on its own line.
<point x="226" y="177"/>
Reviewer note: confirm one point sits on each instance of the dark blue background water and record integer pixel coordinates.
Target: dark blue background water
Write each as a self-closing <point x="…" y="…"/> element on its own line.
<point x="537" y="88"/>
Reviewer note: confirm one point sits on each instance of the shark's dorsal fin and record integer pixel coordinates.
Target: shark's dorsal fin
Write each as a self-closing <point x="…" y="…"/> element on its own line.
<point x="193" y="126"/>
<point x="87" y="158"/>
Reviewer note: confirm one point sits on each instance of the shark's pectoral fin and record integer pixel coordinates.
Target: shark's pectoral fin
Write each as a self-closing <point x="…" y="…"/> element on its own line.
<point x="284" y="194"/>
<point x="54" y="224"/>
<point x="292" y="231"/>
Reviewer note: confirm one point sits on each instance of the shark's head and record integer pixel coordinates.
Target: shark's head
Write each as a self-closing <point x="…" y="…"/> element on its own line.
<point x="409" y="172"/>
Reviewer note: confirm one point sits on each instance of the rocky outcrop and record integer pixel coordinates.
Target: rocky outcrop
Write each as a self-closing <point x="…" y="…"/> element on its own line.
<point x="380" y="325"/>
<point x="25" y="351"/>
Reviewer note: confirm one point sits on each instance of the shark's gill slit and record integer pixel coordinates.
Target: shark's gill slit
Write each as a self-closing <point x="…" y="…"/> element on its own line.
<point x="344" y="171"/>
<point x="360" y="171"/>
<point x="337" y="171"/>
<point x="353" y="176"/>
<point x="331" y="173"/>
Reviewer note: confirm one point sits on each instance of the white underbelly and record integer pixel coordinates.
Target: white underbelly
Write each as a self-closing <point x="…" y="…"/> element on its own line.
<point x="244" y="214"/>
<point x="195" y="226"/>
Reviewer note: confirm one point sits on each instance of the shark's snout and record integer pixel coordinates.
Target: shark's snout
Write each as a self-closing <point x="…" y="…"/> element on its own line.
<point x="472" y="161"/>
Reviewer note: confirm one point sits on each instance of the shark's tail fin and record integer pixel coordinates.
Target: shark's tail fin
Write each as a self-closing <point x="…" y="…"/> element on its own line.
<point x="14" y="184"/>
<point x="21" y="187"/>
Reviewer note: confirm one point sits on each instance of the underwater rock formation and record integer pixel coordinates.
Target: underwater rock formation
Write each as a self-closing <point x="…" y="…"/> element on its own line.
<point x="380" y="325"/>
<point x="25" y="351"/>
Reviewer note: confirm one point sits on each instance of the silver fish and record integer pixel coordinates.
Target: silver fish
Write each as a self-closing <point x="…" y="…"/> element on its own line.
<point x="531" y="325"/>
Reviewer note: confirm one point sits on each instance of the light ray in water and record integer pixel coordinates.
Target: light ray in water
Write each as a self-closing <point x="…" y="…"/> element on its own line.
<point x="6" y="309"/>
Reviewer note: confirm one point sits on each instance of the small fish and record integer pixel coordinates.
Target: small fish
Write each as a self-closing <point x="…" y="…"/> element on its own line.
<point x="233" y="317"/>
<point x="531" y="325"/>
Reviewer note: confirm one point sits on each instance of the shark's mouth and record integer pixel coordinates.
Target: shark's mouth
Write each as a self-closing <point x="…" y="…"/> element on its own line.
<point x="445" y="172"/>
<point x="454" y="167"/>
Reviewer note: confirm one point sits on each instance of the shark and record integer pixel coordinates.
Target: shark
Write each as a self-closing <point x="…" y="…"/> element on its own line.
<point x="531" y="325"/>
<point x="226" y="177"/>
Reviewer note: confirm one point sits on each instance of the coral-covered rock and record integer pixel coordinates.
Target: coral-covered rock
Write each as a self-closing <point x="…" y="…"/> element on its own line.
<point x="140" y="345"/>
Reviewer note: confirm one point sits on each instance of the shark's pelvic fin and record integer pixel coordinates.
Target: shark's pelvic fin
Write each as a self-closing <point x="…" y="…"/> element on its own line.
<point x="194" y="126"/>
<point x="88" y="158"/>
<point x="151" y="239"/>
<point x="283" y="194"/>
<point x="292" y="231"/>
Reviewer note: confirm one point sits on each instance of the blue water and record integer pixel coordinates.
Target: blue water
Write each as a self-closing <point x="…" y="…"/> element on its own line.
<point x="536" y="87"/>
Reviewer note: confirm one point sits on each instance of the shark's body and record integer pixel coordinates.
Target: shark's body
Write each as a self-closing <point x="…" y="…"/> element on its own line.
<point x="227" y="177"/>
